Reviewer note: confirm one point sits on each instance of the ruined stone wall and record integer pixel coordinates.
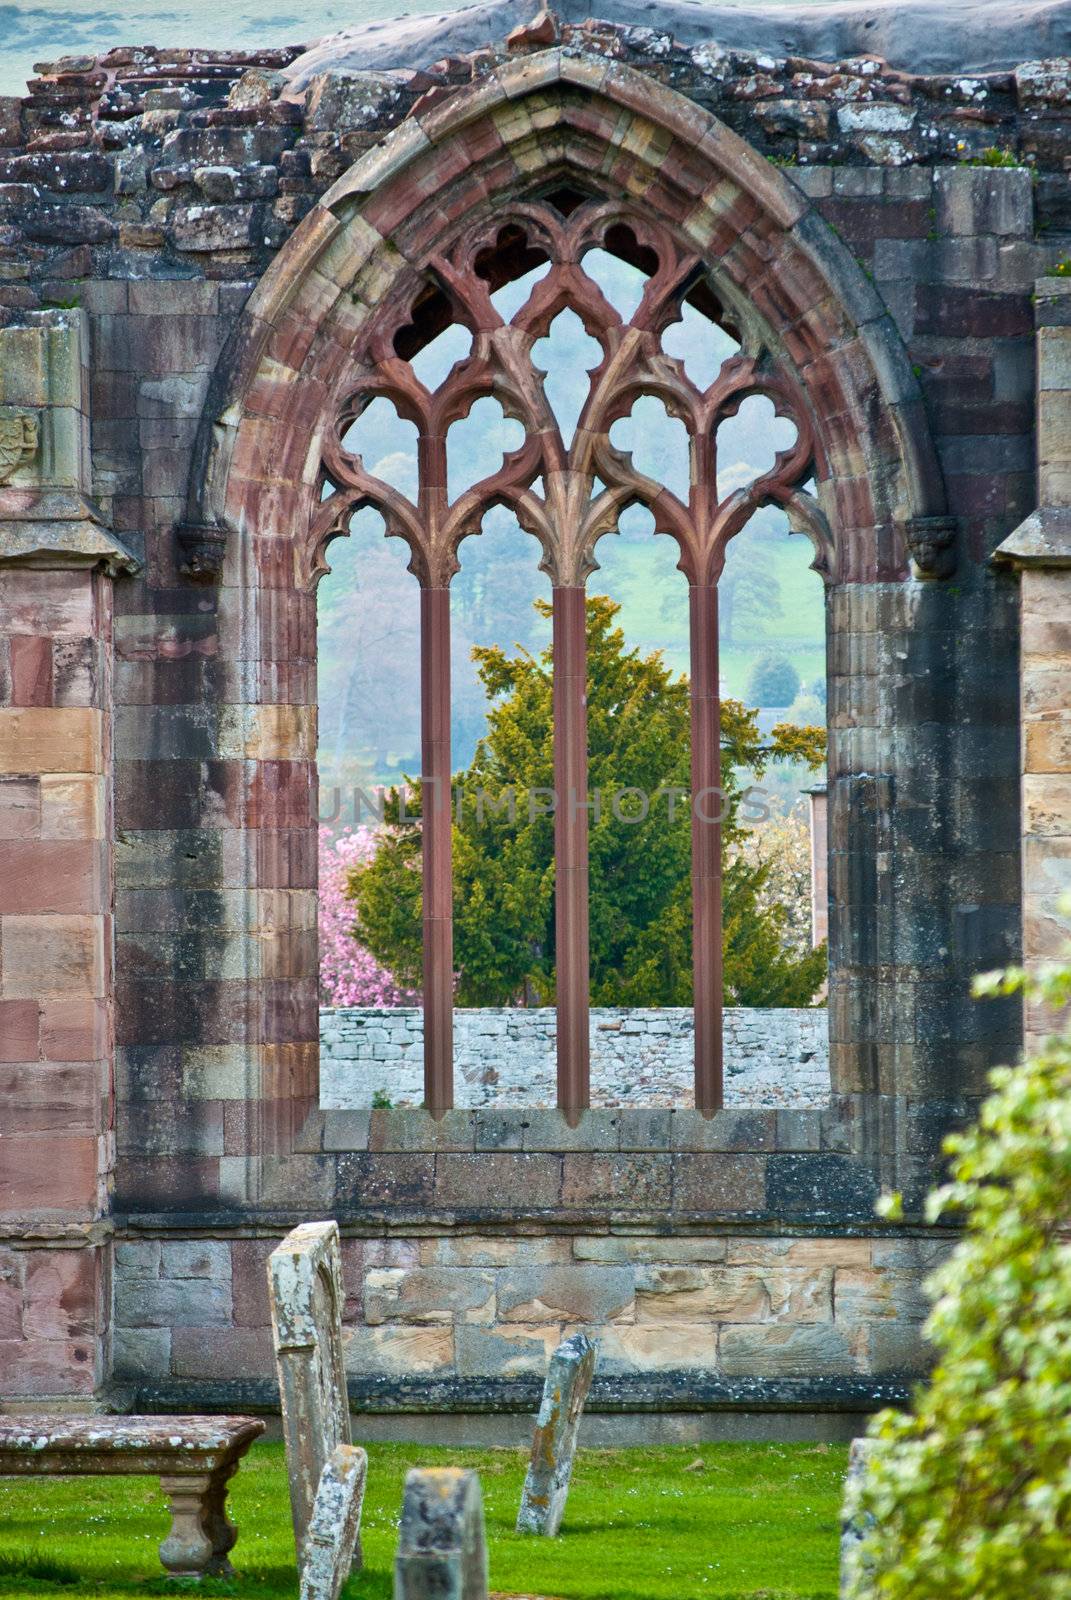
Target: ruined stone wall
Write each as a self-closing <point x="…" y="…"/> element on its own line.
<point x="145" y="195"/>
<point x="435" y="1322"/>
<point x="639" y="1056"/>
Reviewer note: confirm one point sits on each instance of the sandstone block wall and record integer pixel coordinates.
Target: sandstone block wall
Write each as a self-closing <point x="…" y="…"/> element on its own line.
<point x="639" y="1056"/>
<point x="145" y="197"/>
<point x="680" y="1319"/>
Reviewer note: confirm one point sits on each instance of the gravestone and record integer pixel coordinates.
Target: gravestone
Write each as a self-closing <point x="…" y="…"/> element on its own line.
<point x="333" y="1538"/>
<point x="442" y="1550"/>
<point x="855" y="1525"/>
<point x="546" y="1487"/>
<point x="306" y="1292"/>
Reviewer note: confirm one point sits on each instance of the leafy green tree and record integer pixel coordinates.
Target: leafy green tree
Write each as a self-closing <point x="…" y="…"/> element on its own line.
<point x="748" y="596"/>
<point x="640" y="895"/>
<point x="773" y="681"/>
<point x="970" y="1492"/>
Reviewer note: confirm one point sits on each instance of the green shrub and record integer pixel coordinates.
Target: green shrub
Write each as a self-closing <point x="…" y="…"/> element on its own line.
<point x="971" y="1494"/>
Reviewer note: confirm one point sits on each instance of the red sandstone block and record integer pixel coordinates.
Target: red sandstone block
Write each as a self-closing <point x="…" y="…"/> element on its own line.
<point x="353" y="1265"/>
<point x="19" y="1022"/>
<point x="11" y="1294"/>
<point x="48" y="1174"/>
<point x="255" y="456"/>
<point x="221" y="1352"/>
<point x="20" y="808"/>
<point x="291" y="1071"/>
<point x="971" y="313"/>
<point x="249" y="1283"/>
<point x="47" y="602"/>
<point x="48" y="1367"/>
<point x="280" y="795"/>
<point x="854" y="503"/>
<point x="288" y="345"/>
<point x="286" y="858"/>
<point x="50" y="875"/>
<point x="74" y="672"/>
<point x="290" y="954"/>
<point x="164" y="472"/>
<point x="61" y="1296"/>
<point x="288" y="1009"/>
<point x="280" y="1123"/>
<point x="164" y="345"/>
<point x="241" y="1128"/>
<point x="74" y="1029"/>
<point x="52" y="1098"/>
<point x="114" y="396"/>
<point x="31" y="670"/>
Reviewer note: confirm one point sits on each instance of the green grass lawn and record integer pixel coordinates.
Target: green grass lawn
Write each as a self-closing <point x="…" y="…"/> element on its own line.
<point x="758" y="1520"/>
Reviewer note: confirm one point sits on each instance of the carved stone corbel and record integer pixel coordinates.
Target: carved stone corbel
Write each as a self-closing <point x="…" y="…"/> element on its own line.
<point x="931" y="544"/>
<point x="203" y="546"/>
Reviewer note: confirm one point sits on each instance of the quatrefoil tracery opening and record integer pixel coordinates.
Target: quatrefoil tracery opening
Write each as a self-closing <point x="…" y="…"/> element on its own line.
<point x="479" y="329"/>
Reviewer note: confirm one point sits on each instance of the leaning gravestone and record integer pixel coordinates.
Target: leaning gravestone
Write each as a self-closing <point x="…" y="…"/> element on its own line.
<point x="442" y="1550"/>
<point x="546" y="1487"/>
<point x="855" y="1525"/>
<point x="332" y="1542"/>
<point x="305" y="1287"/>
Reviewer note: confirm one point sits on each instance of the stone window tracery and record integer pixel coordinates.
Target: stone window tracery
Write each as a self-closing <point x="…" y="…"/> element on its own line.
<point x="469" y="329"/>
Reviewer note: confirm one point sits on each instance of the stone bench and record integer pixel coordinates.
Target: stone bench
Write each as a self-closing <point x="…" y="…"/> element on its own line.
<point x="194" y="1458"/>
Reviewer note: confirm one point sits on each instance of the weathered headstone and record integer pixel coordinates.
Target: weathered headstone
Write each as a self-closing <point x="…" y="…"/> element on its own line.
<point x="855" y="1525"/>
<point x="333" y="1539"/>
<point x="305" y="1286"/>
<point x="546" y="1487"/>
<point x="442" y="1549"/>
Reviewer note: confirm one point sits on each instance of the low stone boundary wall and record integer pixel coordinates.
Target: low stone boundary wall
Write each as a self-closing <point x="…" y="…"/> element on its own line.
<point x="505" y="1057"/>
<point x="465" y="1320"/>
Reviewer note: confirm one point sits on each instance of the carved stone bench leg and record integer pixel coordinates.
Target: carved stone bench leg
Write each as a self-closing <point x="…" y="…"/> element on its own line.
<point x="200" y="1534"/>
<point x="222" y="1532"/>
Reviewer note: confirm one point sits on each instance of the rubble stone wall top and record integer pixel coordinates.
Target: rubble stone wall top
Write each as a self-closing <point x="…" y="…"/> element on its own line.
<point x="187" y="163"/>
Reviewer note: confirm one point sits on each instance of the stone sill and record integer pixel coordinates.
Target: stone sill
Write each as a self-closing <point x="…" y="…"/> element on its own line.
<point x="625" y="1129"/>
<point x="687" y="1391"/>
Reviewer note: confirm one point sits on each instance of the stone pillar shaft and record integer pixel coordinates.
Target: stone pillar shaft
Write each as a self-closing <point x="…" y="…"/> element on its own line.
<point x="1040" y="548"/>
<point x="56" y="933"/>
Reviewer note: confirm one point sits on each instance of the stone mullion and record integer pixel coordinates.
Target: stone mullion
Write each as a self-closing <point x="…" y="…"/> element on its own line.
<point x="436" y="848"/>
<point x="571" y="886"/>
<point x="433" y="565"/>
<point x="707" y="959"/>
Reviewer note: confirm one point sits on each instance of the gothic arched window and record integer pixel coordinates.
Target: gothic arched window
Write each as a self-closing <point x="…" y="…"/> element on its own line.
<point x="474" y="325"/>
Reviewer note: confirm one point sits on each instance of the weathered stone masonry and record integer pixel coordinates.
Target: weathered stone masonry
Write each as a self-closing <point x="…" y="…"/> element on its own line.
<point x="639" y="1056"/>
<point x="182" y="293"/>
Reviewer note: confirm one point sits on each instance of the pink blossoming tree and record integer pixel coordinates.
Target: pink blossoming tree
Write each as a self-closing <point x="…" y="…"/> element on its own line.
<point x="349" y="976"/>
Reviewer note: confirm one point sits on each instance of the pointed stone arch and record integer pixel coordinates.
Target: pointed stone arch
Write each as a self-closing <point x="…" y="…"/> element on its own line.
<point x="545" y="120"/>
<point x="548" y="118"/>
